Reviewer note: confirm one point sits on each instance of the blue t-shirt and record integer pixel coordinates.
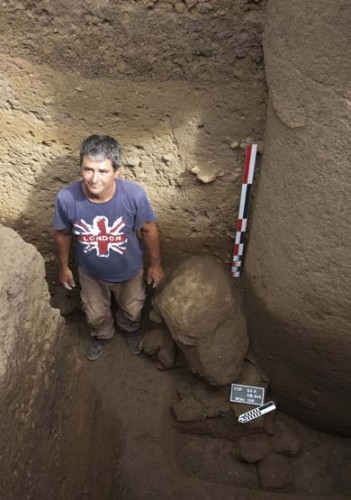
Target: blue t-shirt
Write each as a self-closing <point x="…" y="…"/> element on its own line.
<point x="108" y="247"/>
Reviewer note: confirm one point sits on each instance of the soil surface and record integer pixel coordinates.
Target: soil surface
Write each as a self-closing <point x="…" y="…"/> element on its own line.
<point x="157" y="458"/>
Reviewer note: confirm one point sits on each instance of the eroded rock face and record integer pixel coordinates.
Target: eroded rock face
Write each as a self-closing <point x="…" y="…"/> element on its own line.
<point x="29" y="332"/>
<point x="51" y="415"/>
<point x="29" y="326"/>
<point x="298" y="264"/>
<point x="203" y="313"/>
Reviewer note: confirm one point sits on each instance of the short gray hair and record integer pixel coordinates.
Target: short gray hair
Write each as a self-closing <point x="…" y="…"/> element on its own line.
<point x="103" y="147"/>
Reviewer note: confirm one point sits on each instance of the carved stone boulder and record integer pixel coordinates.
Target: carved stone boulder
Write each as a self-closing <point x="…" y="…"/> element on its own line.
<point x="202" y="309"/>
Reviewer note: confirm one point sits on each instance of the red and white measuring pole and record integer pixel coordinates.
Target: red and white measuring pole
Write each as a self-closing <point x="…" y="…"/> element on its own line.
<point x="241" y="225"/>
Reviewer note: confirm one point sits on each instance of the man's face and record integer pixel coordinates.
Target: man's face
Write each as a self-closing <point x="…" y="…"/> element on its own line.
<point x="98" y="178"/>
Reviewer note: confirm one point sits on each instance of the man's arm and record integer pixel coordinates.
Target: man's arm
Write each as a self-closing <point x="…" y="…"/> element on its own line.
<point x="151" y="241"/>
<point x="63" y="240"/>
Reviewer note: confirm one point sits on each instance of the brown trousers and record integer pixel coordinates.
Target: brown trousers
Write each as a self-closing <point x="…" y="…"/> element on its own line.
<point x="96" y="300"/>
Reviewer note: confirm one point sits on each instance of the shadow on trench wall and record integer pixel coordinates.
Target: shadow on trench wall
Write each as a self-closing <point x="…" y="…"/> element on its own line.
<point x="177" y="105"/>
<point x="68" y="446"/>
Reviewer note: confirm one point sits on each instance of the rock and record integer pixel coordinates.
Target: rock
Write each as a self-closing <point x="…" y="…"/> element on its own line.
<point x="253" y="425"/>
<point x="190" y="3"/>
<point x="252" y="449"/>
<point x="200" y="401"/>
<point x="65" y="300"/>
<point x="285" y="440"/>
<point x="29" y="326"/>
<point x="269" y="423"/>
<point x="183" y="388"/>
<point x="204" y="8"/>
<point x="158" y="343"/>
<point x="188" y="410"/>
<point x="155" y="316"/>
<point x="167" y="158"/>
<point x="274" y="472"/>
<point x="214" y="399"/>
<point x="179" y="7"/>
<point x="132" y="161"/>
<point x="203" y="313"/>
<point x="251" y="375"/>
<point x="207" y="178"/>
<point x="195" y="169"/>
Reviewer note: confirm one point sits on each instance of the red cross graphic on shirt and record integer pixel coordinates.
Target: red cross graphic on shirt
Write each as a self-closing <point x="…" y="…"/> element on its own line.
<point x="100" y="236"/>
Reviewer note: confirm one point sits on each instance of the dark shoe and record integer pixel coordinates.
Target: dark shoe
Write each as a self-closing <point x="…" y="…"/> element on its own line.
<point x="95" y="349"/>
<point x="133" y="340"/>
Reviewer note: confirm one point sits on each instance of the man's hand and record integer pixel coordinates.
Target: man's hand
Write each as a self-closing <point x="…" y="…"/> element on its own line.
<point x="66" y="278"/>
<point x="154" y="275"/>
<point x="151" y="241"/>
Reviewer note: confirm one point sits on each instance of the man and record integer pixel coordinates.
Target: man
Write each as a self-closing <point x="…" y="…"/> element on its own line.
<point x="105" y="214"/>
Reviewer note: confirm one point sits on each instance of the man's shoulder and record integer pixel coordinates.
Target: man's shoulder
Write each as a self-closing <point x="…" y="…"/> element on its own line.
<point x="71" y="192"/>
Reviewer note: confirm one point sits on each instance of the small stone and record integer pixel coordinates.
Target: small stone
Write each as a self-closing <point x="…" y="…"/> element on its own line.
<point x="184" y="388"/>
<point x="188" y="410"/>
<point x="155" y="316"/>
<point x="234" y="144"/>
<point x="149" y="4"/>
<point x="239" y="74"/>
<point x="214" y="400"/>
<point x="166" y="357"/>
<point x="206" y="178"/>
<point x="195" y="169"/>
<point x="179" y="7"/>
<point x="190" y="3"/>
<point x="246" y="141"/>
<point x="285" y="441"/>
<point x="132" y="161"/>
<point x="79" y="89"/>
<point x="205" y="8"/>
<point x="252" y="449"/>
<point x="251" y="375"/>
<point x="158" y="342"/>
<point x="274" y="472"/>
<point x="167" y="158"/>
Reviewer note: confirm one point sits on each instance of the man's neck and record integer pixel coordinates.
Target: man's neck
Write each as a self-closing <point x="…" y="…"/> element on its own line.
<point x="100" y="198"/>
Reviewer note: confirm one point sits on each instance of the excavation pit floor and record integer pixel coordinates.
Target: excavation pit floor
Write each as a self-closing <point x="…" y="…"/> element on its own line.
<point x="155" y="459"/>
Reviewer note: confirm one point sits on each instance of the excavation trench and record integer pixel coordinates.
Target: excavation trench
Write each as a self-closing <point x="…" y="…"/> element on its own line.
<point x="183" y="85"/>
<point x="109" y="429"/>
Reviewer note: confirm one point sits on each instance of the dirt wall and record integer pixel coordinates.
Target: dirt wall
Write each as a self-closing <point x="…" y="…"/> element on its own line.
<point x="298" y="261"/>
<point x="179" y="83"/>
<point x="51" y="417"/>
